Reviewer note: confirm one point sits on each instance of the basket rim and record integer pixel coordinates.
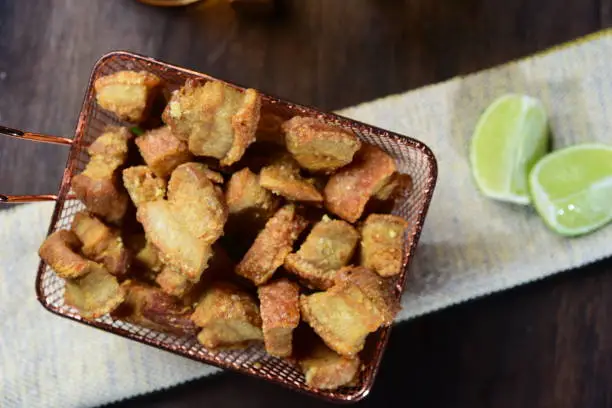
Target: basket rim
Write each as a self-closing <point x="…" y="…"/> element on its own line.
<point x="383" y="333"/>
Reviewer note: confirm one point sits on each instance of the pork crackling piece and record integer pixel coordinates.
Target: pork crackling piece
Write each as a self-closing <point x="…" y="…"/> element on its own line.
<point x="94" y="294"/>
<point x="347" y="192"/>
<point x="250" y="206"/>
<point x="272" y="245"/>
<point x="186" y="225"/>
<point x="143" y="185"/>
<point x="327" y="370"/>
<point x="162" y="151"/>
<point x="359" y="303"/>
<point x="148" y="306"/>
<point x="228" y="316"/>
<point x="383" y="243"/>
<point x="280" y="312"/>
<point x="102" y="243"/>
<point x="329" y="246"/>
<point x="215" y="119"/>
<point x="283" y="178"/>
<point x="61" y="251"/>
<point x="99" y="186"/>
<point x="127" y="94"/>
<point x="318" y="146"/>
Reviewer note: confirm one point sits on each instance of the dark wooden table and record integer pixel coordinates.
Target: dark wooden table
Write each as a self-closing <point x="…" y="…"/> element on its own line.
<point x="548" y="344"/>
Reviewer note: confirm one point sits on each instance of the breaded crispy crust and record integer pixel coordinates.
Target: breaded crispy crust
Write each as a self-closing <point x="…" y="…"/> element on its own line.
<point x="397" y="187"/>
<point x="382" y="244"/>
<point x="173" y="282"/>
<point x="199" y="202"/>
<point x="358" y="304"/>
<point x="318" y="146"/>
<point x="177" y="246"/>
<point x="185" y="226"/>
<point x="60" y="251"/>
<point x="272" y="245"/>
<point x="162" y="151"/>
<point x="378" y="291"/>
<point x="94" y="294"/>
<point x="280" y="312"/>
<point x="244" y="193"/>
<point x="98" y="186"/>
<point x="148" y="306"/>
<point x="145" y="255"/>
<point x="348" y="190"/>
<point x="326" y="370"/>
<point x="283" y="178"/>
<point x="101" y="243"/>
<point x="215" y="119"/>
<point x="228" y="316"/>
<point x="329" y="246"/>
<point x="143" y="185"/>
<point x="127" y="94"/>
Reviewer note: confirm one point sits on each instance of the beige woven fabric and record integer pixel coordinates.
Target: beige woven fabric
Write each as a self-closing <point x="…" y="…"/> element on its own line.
<point x="470" y="246"/>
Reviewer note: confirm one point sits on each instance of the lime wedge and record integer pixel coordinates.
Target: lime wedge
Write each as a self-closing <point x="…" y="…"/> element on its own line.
<point x="572" y="188"/>
<point x="510" y="137"/>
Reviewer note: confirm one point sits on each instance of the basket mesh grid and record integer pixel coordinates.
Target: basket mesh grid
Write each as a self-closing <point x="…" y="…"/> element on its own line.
<point x="412" y="157"/>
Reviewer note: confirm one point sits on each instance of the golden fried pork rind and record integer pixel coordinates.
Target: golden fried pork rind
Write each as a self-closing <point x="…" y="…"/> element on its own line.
<point x="228" y="316"/>
<point x="177" y="246"/>
<point x="272" y="245"/>
<point x="280" y="313"/>
<point x="200" y="204"/>
<point x="318" y="146"/>
<point x="283" y="178"/>
<point x="216" y="120"/>
<point x="382" y="244"/>
<point x="127" y="94"/>
<point x="162" y="151"/>
<point x="145" y="256"/>
<point x="150" y="307"/>
<point x="379" y="291"/>
<point x="101" y="243"/>
<point x="61" y="251"/>
<point x="215" y="177"/>
<point x="177" y="284"/>
<point x="143" y="185"/>
<point x="358" y="304"/>
<point x="173" y="282"/>
<point x="244" y="193"/>
<point x="185" y="226"/>
<point x="398" y="186"/>
<point x="98" y="186"/>
<point x="94" y="294"/>
<point x="324" y="369"/>
<point x="249" y="204"/>
<point x="348" y="191"/>
<point x="329" y="246"/>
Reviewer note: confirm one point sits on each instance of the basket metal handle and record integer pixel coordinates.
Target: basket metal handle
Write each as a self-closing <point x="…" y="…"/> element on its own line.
<point x="34" y="137"/>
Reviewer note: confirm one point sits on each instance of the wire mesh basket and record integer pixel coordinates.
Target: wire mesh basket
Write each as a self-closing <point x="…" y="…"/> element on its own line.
<point x="412" y="157"/>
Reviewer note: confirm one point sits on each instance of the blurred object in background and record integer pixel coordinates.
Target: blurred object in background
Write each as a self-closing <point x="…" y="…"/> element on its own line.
<point x="169" y="3"/>
<point x="254" y="7"/>
<point x="259" y="7"/>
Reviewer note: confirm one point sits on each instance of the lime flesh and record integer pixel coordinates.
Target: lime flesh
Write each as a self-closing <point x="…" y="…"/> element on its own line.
<point x="510" y="137"/>
<point x="572" y="188"/>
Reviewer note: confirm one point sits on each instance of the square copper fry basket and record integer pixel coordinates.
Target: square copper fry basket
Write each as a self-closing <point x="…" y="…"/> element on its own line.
<point x="412" y="157"/>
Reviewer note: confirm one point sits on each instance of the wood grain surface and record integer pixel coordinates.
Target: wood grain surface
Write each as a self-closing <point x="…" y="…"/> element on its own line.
<point x="548" y="344"/>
